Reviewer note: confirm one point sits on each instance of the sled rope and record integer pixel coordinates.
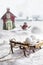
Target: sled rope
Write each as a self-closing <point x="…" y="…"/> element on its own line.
<point x="11" y="59"/>
<point x="4" y="56"/>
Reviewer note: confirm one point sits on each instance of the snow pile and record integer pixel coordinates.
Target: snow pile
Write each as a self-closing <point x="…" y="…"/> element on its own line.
<point x="31" y="40"/>
<point x="1" y="41"/>
<point x="4" y="49"/>
<point x="33" y="59"/>
<point x="36" y="30"/>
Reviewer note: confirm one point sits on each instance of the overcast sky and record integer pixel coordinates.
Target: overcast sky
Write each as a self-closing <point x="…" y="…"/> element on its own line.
<point x="27" y="7"/>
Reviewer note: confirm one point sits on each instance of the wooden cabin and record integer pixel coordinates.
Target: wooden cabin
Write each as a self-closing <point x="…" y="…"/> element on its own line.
<point x="8" y="20"/>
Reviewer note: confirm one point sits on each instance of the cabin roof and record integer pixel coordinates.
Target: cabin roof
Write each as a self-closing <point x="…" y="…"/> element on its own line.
<point x="12" y="16"/>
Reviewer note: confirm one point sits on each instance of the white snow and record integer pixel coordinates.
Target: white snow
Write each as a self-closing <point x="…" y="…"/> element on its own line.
<point x="20" y="35"/>
<point x="33" y="59"/>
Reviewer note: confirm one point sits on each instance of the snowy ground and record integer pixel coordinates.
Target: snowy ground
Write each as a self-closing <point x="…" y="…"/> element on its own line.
<point x="20" y="35"/>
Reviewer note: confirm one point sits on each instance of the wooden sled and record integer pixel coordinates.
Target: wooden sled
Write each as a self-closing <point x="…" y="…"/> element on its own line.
<point x="22" y="46"/>
<point x="39" y="45"/>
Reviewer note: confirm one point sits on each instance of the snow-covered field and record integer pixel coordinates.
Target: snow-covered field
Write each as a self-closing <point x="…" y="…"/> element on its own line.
<point x="25" y="8"/>
<point x="34" y="33"/>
